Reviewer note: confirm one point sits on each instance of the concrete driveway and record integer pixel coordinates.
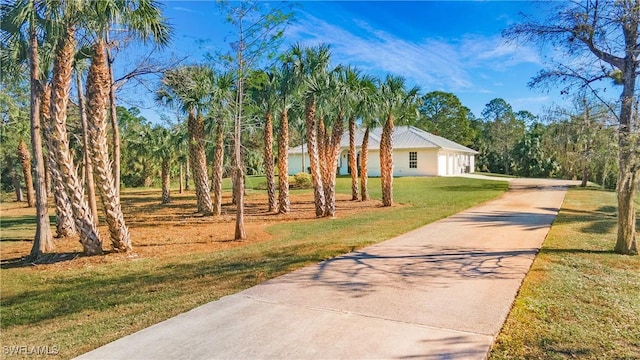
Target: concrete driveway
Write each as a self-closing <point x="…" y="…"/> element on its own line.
<point x="442" y="291"/>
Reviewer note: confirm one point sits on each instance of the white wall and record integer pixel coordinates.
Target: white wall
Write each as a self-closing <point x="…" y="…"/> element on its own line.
<point x="295" y="163"/>
<point x="454" y="163"/>
<point x="442" y="164"/>
<point x="431" y="162"/>
<point x="427" y="162"/>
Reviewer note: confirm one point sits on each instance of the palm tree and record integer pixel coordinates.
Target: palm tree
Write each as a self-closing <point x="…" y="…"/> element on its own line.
<point x="364" y="160"/>
<point x="42" y="241"/>
<point x="98" y="100"/>
<point x="160" y="141"/>
<point x="191" y="87"/>
<point x="65" y="223"/>
<point x="144" y="20"/>
<point x="338" y="98"/>
<point x="60" y="92"/>
<point x="222" y="97"/>
<point x="362" y="89"/>
<point x="57" y="17"/>
<point x="263" y="91"/>
<point x="181" y="140"/>
<point x="310" y="66"/>
<point x="286" y="89"/>
<point x="88" y="166"/>
<point x="367" y="109"/>
<point x="395" y="102"/>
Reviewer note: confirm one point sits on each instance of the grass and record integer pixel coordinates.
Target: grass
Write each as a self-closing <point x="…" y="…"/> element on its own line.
<point x="495" y="174"/>
<point x="75" y="306"/>
<point x="579" y="300"/>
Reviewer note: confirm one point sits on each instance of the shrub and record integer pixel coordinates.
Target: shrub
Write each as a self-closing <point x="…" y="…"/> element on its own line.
<point x="302" y="181"/>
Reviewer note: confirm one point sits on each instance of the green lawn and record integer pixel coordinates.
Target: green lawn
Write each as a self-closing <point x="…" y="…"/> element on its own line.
<point x="579" y="300"/>
<point x="76" y="309"/>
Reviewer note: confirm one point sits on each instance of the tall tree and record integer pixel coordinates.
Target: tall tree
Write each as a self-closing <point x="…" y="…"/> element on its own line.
<point x="503" y="130"/>
<point x="396" y="103"/>
<point x="60" y="92"/>
<point x="161" y="141"/>
<point x="582" y="140"/>
<point x="338" y="103"/>
<point x="286" y="91"/>
<point x="27" y="15"/>
<point x="361" y="88"/>
<point x="88" y="162"/>
<point x="191" y="87"/>
<point x="143" y="19"/>
<point x="258" y="30"/>
<point x="311" y="69"/>
<point x="444" y="115"/>
<point x="65" y="221"/>
<point x="42" y="242"/>
<point x="223" y="96"/>
<point x="98" y="99"/>
<point x="601" y="41"/>
<point x="264" y="92"/>
<point x="370" y="112"/>
<point x="531" y="157"/>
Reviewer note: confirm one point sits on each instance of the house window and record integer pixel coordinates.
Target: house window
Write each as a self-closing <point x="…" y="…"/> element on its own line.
<point x="413" y="159"/>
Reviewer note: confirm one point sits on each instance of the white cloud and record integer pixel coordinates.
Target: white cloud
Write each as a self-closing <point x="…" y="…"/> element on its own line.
<point x="179" y="8"/>
<point x="524" y="102"/>
<point x="431" y="63"/>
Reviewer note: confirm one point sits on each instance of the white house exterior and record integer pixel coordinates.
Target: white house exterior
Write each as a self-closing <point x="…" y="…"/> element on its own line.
<point x="415" y="153"/>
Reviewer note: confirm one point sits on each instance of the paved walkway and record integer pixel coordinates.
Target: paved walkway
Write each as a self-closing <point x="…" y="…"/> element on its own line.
<point x="439" y="292"/>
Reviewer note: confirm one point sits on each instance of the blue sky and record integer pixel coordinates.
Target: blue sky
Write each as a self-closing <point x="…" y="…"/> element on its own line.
<point x="453" y="46"/>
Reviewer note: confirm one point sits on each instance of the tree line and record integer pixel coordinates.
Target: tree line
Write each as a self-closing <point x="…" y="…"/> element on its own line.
<point x="242" y="118"/>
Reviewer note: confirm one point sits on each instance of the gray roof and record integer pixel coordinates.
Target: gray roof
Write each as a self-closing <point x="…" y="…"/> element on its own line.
<point x="404" y="137"/>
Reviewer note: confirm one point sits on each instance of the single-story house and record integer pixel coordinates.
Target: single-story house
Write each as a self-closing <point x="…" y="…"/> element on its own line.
<point x="415" y="153"/>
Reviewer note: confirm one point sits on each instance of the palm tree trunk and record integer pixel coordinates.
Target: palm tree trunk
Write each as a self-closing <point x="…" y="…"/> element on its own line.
<point x="15" y="180"/>
<point x="187" y="171"/>
<point x="283" y="164"/>
<point x="91" y="185"/>
<point x="114" y="119"/>
<point x="386" y="162"/>
<point x="325" y="162"/>
<point x="364" y="171"/>
<point x="314" y="158"/>
<point x="353" y="167"/>
<point x="47" y="171"/>
<point x="268" y="162"/>
<point x="218" y="167"/>
<point x="333" y="155"/>
<point x="181" y="186"/>
<point x="61" y="86"/>
<point x="25" y="161"/>
<point x="97" y="99"/>
<point x="42" y="241"/>
<point x="65" y="225"/>
<point x="166" y="181"/>
<point x="199" y="163"/>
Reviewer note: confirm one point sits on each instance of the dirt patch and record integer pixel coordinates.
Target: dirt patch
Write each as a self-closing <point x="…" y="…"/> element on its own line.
<point x="167" y="230"/>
